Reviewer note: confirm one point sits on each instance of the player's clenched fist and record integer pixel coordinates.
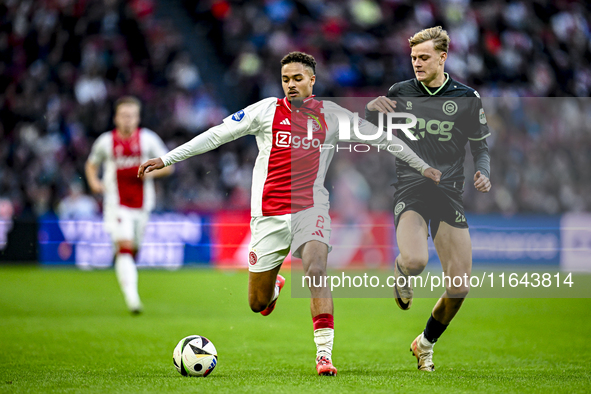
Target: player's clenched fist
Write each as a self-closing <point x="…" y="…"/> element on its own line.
<point x="481" y="182"/>
<point x="433" y="174"/>
<point x="382" y="104"/>
<point x="149" y="166"/>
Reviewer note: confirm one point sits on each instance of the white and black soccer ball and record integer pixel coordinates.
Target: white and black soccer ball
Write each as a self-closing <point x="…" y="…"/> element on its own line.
<point x="195" y="356"/>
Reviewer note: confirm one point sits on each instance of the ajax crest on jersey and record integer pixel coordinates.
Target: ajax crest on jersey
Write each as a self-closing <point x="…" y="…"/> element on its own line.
<point x="195" y="356"/>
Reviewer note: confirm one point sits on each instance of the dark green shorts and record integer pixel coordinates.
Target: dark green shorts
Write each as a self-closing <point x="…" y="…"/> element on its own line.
<point x="435" y="203"/>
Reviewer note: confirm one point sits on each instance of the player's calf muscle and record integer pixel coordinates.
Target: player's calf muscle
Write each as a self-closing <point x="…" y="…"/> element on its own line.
<point x="258" y="300"/>
<point x="317" y="280"/>
<point x="260" y="289"/>
<point x="257" y="305"/>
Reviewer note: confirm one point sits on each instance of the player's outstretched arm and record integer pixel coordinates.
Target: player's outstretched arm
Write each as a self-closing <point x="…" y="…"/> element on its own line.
<point x="204" y="142"/>
<point x="149" y="166"/>
<point x="481" y="182"/>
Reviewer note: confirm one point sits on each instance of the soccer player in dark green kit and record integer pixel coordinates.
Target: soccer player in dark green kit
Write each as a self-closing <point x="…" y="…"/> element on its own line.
<point x="449" y="115"/>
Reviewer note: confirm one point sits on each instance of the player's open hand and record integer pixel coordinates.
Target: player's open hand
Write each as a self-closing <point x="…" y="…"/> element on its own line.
<point x="433" y="174"/>
<point x="481" y="182"/>
<point x="149" y="166"/>
<point x="382" y="104"/>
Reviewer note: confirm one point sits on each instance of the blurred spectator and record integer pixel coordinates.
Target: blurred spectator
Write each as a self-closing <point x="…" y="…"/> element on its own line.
<point x="522" y="47"/>
<point x="77" y="205"/>
<point x="6" y="212"/>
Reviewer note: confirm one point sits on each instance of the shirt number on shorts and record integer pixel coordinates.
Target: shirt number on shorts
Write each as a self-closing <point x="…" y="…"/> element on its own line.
<point x="460" y="218"/>
<point x="320" y="222"/>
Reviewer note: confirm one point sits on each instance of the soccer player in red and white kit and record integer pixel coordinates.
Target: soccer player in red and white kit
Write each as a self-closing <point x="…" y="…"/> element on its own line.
<point x="289" y="204"/>
<point x="127" y="200"/>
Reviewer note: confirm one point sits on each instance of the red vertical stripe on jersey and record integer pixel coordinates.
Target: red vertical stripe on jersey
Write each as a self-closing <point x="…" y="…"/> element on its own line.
<point x="128" y="156"/>
<point x="294" y="159"/>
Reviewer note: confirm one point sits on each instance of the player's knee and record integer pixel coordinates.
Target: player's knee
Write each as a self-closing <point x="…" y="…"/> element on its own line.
<point x="458" y="291"/>
<point x="315" y="271"/>
<point x="415" y="264"/>
<point x="125" y="247"/>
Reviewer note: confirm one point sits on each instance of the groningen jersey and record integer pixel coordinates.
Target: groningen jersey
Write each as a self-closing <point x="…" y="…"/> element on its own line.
<point x="447" y="119"/>
<point x="290" y="168"/>
<point x="121" y="158"/>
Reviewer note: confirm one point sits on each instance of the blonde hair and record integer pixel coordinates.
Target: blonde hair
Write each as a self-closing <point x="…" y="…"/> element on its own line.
<point x="127" y="100"/>
<point x="437" y="34"/>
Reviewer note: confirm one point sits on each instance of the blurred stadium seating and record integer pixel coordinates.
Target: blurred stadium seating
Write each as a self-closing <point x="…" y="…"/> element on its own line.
<point x="63" y="63"/>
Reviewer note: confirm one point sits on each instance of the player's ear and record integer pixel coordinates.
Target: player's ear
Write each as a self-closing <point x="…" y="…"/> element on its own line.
<point x="442" y="58"/>
<point x="312" y="80"/>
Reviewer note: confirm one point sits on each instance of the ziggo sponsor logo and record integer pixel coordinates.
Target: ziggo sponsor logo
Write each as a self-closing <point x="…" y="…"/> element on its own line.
<point x="127" y="161"/>
<point x="284" y="139"/>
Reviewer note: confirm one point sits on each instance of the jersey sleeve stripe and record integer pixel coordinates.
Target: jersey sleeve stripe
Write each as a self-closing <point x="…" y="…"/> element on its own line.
<point x="479" y="139"/>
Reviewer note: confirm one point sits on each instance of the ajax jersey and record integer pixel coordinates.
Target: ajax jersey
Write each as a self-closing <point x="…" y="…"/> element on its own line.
<point x="121" y="158"/>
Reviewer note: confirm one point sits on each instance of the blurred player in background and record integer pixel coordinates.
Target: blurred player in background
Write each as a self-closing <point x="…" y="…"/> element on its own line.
<point x="127" y="200"/>
<point x="289" y="204"/>
<point x="419" y="203"/>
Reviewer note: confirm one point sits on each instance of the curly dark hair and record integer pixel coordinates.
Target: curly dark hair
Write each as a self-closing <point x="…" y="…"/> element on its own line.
<point x="300" y="57"/>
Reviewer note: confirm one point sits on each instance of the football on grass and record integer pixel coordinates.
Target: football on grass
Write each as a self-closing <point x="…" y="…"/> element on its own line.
<point x="195" y="356"/>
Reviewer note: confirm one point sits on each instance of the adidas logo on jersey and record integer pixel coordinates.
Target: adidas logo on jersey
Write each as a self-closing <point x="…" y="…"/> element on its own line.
<point x="285" y="121"/>
<point x="319" y="233"/>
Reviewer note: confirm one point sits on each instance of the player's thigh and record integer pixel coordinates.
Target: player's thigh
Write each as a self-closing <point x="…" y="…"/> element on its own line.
<point x="312" y="224"/>
<point x="454" y="248"/>
<point x="449" y="208"/>
<point x="120" y="224"/>
<point x="411" y="236"/>
<point x="270" y="242"/>
<point x="141" y="218"/>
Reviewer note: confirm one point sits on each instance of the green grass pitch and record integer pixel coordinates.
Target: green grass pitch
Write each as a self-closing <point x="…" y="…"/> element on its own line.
<point x="65" y="330"/>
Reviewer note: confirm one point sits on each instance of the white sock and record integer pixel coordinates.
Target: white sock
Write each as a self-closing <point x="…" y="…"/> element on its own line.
<point x="275" y="294"/>
<point x="425" y="342"/>
<point x="324" y="337"/>
<point x="126" y="272"/>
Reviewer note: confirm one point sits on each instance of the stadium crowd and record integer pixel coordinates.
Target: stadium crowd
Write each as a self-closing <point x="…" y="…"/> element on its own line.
<point x="63" y="63"/>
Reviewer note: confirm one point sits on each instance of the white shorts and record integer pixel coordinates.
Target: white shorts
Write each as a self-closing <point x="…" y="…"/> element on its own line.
<point x="126" y="224"/>
<point x="272" y="237"/>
